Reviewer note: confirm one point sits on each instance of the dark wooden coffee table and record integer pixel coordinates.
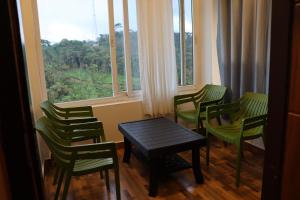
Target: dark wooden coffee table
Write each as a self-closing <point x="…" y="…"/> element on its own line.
<point x="157" y="139"/>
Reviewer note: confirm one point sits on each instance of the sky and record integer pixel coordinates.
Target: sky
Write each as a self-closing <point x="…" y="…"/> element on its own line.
<point x="86" y="19"/>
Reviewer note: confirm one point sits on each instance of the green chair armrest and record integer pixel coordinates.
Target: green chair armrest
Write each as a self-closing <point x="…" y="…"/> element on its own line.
<point x="78" y="114"/>
<point x="83" y="134"/>
<point x="92" y="147"/>
<point x="108" y="153"/>
<point x="204" y="104"/>
<point x="90" y="151"/>
<point x="87" y="147"/>
<point x="82" y="111"/>
<point x="79" y="120"/>
<point x="85" y="131"/>
<point x="217" y="110"/>
<point x="73" y="109"/>
<point x="85" y="111"/>
<point x="79" y="109"/>
<point x="207" y="103"/>
<point x="252" y="122"/>
<point x="87" y="125"/>
<point x="185" y="98"/>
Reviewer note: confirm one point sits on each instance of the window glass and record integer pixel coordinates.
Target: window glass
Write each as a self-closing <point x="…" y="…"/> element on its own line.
<point x="134" y="45"/>
<point x="119" y="38"/>
<point x="76" y="49"/>
<point x="183" y="36"/>
<point x="188" y="42"/>
<point x="176" y="23"/>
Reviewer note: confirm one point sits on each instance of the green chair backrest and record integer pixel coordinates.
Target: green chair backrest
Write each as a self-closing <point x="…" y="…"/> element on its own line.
<point x="210" y="93"/>
<point x="251" y="105"/>
<point x="65" y="130"/>
<point x="54" y="142"/>
<point x="50" y="111"/>
<point x="64" y="153"/>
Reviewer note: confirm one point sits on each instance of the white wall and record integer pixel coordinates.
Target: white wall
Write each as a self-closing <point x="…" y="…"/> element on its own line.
<point x="34" y="62"/>
<point x="113" y="114"/>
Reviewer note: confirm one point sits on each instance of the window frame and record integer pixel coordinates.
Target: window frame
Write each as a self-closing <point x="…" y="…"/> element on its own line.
<point x="129" y="94"/>
<point x="181" y="4"/>
<point x="127" y="50"/>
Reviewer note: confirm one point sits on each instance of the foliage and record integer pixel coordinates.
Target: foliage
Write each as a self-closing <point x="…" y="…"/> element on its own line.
<point x="77" y="70"/>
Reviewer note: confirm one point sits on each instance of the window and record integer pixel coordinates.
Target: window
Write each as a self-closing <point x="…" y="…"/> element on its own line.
<point x="183" y="36"/>
<point x="134" y="45"/>
<point x="89" y="48"/>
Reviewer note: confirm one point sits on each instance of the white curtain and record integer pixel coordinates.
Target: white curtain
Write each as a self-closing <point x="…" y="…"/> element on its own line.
<point x="206" y="64"/>
<point x="157" y="59"/>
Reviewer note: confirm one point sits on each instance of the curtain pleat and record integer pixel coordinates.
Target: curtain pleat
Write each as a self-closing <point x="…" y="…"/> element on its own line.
<point x="243" y="45"/>
<point x="157" y="59"/>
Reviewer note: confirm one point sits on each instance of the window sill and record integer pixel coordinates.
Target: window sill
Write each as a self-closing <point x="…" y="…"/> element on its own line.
<point x="187" y="89"/>
<point x="122" y="98"/>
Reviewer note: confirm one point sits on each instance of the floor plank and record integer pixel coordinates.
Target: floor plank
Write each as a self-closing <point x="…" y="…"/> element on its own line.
<point x="219" y="179"/>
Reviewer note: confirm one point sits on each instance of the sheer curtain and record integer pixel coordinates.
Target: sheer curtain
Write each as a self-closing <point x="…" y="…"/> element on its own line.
<point x="243" y="45"/>
<point x="157" y="59"/>
<point x="205" y="43"/>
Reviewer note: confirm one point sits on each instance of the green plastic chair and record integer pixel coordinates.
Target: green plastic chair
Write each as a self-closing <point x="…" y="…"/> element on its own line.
<point x="71" y="115"/>
<point x="80" y="159"/>
<point x="208" y="95"/>
<point x="78" y="132"/>
<point x="247" y="120"/>
<point x="75" y="124"/>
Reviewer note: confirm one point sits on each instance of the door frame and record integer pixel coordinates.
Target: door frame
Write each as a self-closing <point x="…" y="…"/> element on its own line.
<point x="280" y="57"/>
<point x="17" y="134"/>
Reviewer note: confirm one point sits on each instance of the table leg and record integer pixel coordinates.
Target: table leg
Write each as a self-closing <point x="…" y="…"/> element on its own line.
<point x="153" y="177"/>
<point x="196" y="165"/>
<point x="127" y="151"/>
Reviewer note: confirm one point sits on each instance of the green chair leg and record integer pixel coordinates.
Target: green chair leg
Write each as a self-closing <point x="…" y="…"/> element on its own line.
<point x="201" y="124"/>
<point x="66" y="186"/>
<point x="101" y="174"/>
<point x="56" y="174"/>
<point x="207" y="148"/>
<point x="197" y="127"/>
<point x="238" y="166"/>
<point x="242" y="150"/>
<point x="107" y="179"/>
<point x="60" y="180"/>
<point x="219" y="120"/>
<point x="117" y="182"/>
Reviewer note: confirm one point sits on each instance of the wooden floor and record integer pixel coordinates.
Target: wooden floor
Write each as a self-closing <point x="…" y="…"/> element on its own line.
<point x="219" y="179"/>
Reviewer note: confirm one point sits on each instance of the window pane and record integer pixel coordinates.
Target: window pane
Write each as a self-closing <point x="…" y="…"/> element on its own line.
<point x="75" y="42"/>
<point x="188" y="41"/>
<point x="176" y="23"/>
<point x="119" y="38"/>
<point x="134" y="45"/>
